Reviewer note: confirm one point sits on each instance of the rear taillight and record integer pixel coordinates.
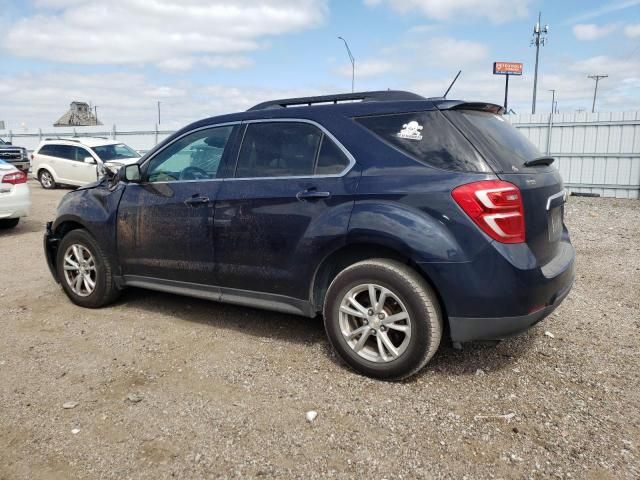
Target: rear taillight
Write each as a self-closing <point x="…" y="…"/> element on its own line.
<point x="495" y="206"/>
<point x="15" y="178"/>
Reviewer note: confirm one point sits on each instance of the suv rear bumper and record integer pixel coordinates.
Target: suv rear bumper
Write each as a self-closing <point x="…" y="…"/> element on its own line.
<point x="466" y="329"/>
<point x="503" y="291"/>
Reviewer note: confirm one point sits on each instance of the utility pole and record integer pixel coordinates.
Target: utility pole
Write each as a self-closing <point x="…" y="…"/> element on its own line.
<point x="158" y="112"/>
<point x="553" y="101"/>
<point x="597" y="78"/>
<point x="353" y="64"/>
<point x="95" y="109"/>
<point x="539" y="38"/>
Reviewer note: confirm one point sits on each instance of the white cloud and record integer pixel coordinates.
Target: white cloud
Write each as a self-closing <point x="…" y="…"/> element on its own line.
<point x="497" y="11"/>
<point x="367" y="68"/>
<point x="171" y="34"/>
<point x="591" y="31"/>
<point x="124" y="99"/>
<point x="632" y="31"/>
<point x="402" y="60"/>
<point x="603" y="9"/>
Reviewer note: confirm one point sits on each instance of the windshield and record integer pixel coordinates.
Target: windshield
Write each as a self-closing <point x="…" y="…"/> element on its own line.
<point x="1" y="142"/>
<point x="115" y="152"/>
<point x="498" y="141"/>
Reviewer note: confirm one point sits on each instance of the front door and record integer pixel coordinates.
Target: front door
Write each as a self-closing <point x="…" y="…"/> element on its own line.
<point x="288" y="204"/>
<point x="165" y="223"/>
<point x="71" y="166"/>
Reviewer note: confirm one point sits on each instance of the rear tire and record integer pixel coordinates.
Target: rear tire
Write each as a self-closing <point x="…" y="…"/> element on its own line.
<point x="84" y="270"/>
<point x="46" y="180"/>
<point x="9" y="222"/>
<point x="383" y="319"/>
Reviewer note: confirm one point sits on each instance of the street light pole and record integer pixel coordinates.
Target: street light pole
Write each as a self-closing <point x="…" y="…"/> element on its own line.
<point x="553" y="101"/>
<point x="539" y="38"/>
<point x="597" y="78"/>
<point x="158" y="112"/>
<point x="95" y="109"/>
<point x="353" y="64"/>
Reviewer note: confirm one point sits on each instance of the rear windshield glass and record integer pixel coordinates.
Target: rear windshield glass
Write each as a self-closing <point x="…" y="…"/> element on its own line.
<point x="428" y="137"/>
<point x="499" y="142"/>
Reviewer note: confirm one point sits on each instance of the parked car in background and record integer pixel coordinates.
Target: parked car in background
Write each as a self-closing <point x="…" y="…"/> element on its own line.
<point x="398" y="218"/>
<point x="14" y="195"/>
<point x="78" y="161"/>
<point x="16" y="156"/>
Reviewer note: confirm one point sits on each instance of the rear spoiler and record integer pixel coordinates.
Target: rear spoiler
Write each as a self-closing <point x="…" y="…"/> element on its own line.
<point x="443" y="104"/>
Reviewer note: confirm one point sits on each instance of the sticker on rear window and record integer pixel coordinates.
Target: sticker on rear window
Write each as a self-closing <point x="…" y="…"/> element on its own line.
<point x="411" y="131"/>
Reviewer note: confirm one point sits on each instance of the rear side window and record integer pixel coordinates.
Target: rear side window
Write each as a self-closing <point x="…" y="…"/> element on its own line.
<point x="429" y="138"/>
<point x="497" y="140"/>
<point x="278" y="149"/>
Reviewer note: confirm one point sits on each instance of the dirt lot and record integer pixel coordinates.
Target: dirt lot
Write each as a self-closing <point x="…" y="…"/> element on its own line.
<point x="222" y="391"/>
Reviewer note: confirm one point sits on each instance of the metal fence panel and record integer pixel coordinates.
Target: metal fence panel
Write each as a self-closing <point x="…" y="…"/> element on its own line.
<point x="594" y="152"/>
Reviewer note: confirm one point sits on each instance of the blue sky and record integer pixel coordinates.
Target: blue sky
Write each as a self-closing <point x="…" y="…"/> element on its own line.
<point x="203" y="57"/>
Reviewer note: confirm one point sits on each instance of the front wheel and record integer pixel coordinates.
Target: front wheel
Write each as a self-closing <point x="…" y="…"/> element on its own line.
<point x="383" y="319"/>
<point x="85" y="271"/>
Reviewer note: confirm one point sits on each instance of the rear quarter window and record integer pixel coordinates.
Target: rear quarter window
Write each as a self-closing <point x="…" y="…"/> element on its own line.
<point x="429" y="138"/>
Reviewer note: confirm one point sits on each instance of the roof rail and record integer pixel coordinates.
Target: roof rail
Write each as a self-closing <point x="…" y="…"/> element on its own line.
<point x="77" y="138"/>
<point x="377" y="96"/>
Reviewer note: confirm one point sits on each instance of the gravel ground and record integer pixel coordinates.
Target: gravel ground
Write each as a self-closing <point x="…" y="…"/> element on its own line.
<point x="167" y="386"/>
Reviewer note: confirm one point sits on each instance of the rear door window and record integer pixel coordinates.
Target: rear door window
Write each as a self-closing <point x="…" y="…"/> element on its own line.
<point x="500" y="142"/>
<point x="278" y="149"/>
<point x="66" y="151"/>
<point x="429" y="138"/>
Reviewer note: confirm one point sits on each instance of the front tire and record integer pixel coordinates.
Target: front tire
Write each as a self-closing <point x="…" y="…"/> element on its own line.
<point x="46" y="180"/>
<point x="9" y="222"/>
<point x="85" y="271"/>
<point x="383" y="319"/>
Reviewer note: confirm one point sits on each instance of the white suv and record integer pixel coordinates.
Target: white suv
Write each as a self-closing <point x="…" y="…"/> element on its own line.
<point x="78" y="161"/>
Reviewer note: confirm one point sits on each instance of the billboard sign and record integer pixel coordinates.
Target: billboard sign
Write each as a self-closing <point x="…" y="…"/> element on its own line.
<point x="507" y="68"/>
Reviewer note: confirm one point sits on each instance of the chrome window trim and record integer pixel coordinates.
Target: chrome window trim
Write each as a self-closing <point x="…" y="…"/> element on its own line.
<point x="347" y="153"/>
<point x="348" y="168"/>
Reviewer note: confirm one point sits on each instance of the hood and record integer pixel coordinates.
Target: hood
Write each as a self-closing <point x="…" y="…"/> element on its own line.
<point x="122" y="161"/>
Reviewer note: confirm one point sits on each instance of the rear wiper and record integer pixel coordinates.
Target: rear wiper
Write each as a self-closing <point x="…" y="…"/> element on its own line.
<point x="544" y="160"/>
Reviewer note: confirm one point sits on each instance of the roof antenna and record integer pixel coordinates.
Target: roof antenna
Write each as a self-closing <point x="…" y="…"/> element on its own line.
<point x="454" y="81"/>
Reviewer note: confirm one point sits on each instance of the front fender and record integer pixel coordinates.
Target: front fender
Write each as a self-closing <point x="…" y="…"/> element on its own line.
<point x="94" y="209"/>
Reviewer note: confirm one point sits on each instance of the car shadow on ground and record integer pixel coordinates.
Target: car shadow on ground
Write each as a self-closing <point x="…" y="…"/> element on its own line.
<point x="25" y="226"/>
<point x="487" y="356"/>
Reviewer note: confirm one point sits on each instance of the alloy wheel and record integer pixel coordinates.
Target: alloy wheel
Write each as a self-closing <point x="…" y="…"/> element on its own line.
<point x="80" y="270"/>
<point x="375" y="323"/>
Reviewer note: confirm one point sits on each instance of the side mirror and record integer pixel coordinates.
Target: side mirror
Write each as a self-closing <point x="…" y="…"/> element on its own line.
<point x="132" y="173"/>
<point x="90" y="160"/>
<point x="8" y="143"/>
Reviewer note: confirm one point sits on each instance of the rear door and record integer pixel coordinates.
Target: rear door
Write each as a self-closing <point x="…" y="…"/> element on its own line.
<point x="165" y="223"/>
<point x="286" y="206"/>
<point x="541" y="186"/>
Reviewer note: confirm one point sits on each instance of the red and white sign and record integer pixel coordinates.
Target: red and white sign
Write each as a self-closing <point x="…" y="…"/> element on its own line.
<point x="507" y="68"/>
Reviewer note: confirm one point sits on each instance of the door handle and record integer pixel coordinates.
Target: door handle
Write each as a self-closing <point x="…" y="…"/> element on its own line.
<point x="312" y="194"/>
<point x="196" y="200"/>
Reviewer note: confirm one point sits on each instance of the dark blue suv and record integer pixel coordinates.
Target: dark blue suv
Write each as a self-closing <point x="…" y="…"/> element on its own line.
<point x="398" y="218"/>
